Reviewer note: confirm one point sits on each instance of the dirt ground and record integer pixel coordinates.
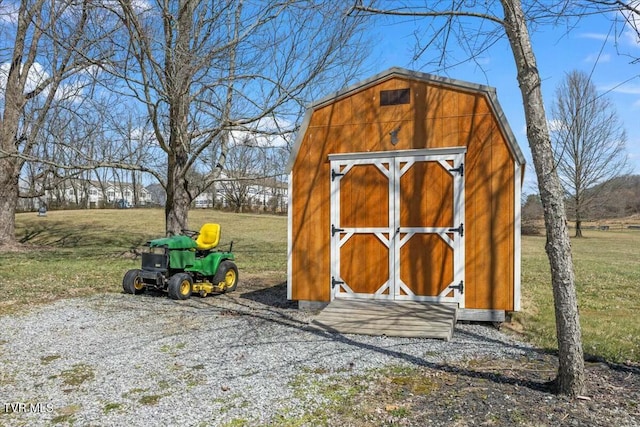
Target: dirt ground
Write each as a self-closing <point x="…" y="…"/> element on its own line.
<point x="487" y="392"/>
<point x="500" y="393"/>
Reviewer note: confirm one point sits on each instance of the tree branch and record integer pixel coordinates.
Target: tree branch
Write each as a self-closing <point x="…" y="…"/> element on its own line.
<point x="359" y="7"/>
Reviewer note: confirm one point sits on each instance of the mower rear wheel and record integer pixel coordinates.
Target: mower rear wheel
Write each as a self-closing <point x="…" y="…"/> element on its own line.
<point x="180" y="286"/>
<point x="132" y="282"/>
<point x="227" y="275"/>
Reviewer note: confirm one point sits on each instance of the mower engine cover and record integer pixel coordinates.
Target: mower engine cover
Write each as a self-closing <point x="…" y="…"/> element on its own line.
<point x="174" y="242"/>
<point x="181" y="250"/>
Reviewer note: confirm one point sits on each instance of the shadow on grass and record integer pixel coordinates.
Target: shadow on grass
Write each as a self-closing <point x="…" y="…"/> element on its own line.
<point x="274" y="300"/>
<point x="63" y="234"/>
<point x="57" y="235"/>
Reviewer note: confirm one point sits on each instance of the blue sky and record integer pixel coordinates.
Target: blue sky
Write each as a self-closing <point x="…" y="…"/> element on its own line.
<point x="594" y="46"/>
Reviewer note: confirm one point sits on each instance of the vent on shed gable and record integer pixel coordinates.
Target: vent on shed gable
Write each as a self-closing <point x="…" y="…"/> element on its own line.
<point x="395" y="97"/>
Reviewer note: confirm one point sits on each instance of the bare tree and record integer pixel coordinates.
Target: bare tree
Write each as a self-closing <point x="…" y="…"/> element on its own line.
<point x="589" y="143"/>
<point x="205" y="69"/>
<point x="244" y="164"/>
<point x="274" y="181"/>
<point x="45" y="62"/>
<point x="494" y="21"/>
<point x="532" y="215"/>
<point x="133" y="142"/>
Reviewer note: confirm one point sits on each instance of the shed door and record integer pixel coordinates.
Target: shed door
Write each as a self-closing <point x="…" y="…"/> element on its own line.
<point x="397" y="227"/>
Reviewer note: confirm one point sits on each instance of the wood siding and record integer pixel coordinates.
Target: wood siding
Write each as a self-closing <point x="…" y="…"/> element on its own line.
<point x="437" y="117"/>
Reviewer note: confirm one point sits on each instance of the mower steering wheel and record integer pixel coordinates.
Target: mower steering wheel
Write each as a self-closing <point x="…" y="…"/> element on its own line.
<point x="190" y="233"/>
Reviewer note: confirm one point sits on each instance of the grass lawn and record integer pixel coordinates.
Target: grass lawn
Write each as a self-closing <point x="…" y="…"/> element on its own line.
<point x="86" y="252"/>
<point x="607" y="267"/>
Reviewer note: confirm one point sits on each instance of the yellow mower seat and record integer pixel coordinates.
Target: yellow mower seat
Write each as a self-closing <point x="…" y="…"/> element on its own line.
<point x="209" y="237"/>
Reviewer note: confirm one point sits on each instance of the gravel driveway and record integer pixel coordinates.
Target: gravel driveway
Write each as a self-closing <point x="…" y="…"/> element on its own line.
<point x="123" y="360"/>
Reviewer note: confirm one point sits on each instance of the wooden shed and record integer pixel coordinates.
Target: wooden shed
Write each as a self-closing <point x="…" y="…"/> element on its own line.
<point x="406" y="187"/>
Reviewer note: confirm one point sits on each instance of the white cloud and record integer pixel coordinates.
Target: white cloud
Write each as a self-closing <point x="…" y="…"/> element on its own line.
<point x="628" y="37"/>
<point x="555" y="125"/>
<point x="631" y="37"/>
<point x="601" y="59"/>
<point x="627" y="89"/>
<point x="266" y="132"/>
<point x="9" y="12"/>
<point x="483" y="60"/>
<point x="594" y="36"/>
<point x="624" y="89"/>
<point x="140" y="6"/>
<point x="71" y="92"/>
<point x="37" y="74"/>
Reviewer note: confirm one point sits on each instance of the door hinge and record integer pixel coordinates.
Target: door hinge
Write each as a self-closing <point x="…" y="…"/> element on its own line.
<point x="459" y="169"/>
<point x="335" y="230"/>
<point x="458" y="230"/>
<point x="459" y="286"/>
<point x="335" y="174"/>
<point x="335" y="282"/>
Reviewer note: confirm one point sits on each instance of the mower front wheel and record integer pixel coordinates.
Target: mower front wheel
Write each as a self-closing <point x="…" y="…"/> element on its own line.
<point x="132" y="282"/>
<point x="180" y="286"/>
<point x="227" y="275"/>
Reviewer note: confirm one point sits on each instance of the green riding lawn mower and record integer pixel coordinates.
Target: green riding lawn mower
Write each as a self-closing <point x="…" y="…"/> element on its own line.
<point x="185" y="264"/>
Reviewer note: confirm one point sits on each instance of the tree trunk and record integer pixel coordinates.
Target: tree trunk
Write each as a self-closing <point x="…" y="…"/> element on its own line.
<point x="8" y="200"/>
<point x="578" y="207"/>
<point x="10" y="166"/>
<point x="570" y="380"/>
<point x="178" y="86"/>
<point x="176" y="208"/>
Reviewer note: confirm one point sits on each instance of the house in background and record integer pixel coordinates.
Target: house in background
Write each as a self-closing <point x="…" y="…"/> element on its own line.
<point x="260" y="194"/>
<point x="91" y="194"/>
<point x="242" y="194"/>
<point x="204" y="200"/>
